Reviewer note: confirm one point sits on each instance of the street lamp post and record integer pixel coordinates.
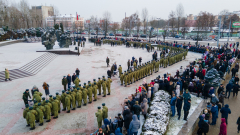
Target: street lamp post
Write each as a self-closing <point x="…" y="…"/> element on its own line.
<point x="219" y="30"/>
<point x="229" y="29"/>
<point x="158" y="27"/>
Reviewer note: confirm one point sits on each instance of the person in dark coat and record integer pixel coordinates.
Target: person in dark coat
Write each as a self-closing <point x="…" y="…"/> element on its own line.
<point x="173" y="103"/>
<point x="179" y="105"/>
<point x="214" y="111"/>
<point x="229" y="89"/>
<point x="233" y="72"/>
<point x="46" y="88"/>
<point x="109" y="73"/>
<point x="77" y="72"/>
<point x="238" y="122"/>
<point x="140" y="60"/>
<point x="225" y="111"/>
<point x="137" y="109"/>
<point x="73" y="77"/>
<point x="200" y="125"/>
<point x="127" y="120"/>
<point x="223" y="127"/>
<point x="206" y="88"/>
<point x="69" y="79"/>
<point x="220" y="89"/>
<point x="186" y="109"/>
<point x="235" y="89"/>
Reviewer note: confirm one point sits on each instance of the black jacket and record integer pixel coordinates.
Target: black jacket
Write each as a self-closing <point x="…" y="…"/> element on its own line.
<point x="77" y="72"/>
<point x="179" y="103"/>
<point x="137" y="109"/>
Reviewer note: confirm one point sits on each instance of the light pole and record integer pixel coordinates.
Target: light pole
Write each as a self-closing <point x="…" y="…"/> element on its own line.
<point x="158" y="27"/>
<point x="219" y="30"/>
<point x="229" y="29"/>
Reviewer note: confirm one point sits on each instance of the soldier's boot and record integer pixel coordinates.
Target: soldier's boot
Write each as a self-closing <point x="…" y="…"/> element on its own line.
<point x="68" y="111"/>
<point x="59" y="112"/>
<point x="37" y="121"/>
<point x="89" y="102"/>
<point x="64" y="109"/>
<point x="108" y="94"/>
<point x="27" y="125"/>
<point x="40" y="124"/>
<point x="95" y="100"/>
<point x="79" y="106"/>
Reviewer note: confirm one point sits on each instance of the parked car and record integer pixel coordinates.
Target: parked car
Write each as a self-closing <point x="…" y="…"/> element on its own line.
<point x="136" y="35"/>
<point x="83" y="33"/>
<point x="143" y="36"/>
<point x="111" y="34"/>
<point x="152" y="36"/>
<point x="118" y="34"/>
<point x="199" y="38"/>
<point x="93" y="33"/>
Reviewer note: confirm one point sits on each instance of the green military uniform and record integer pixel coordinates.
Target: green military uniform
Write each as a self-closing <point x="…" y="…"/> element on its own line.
<point x="99" y="84"/>
<point x="104" y="111"/>
<point x="99" y="116"/>
<point x="64" y="83"/>
<point x="63" y="100"/>
<point x="104" y="87"/>
<point x="26" y="110"/>
<point x="95" y="91"/>
<point x="79" y="97"/>
<point x="31" y="117"/>
<point x="43" y="101"/>
<point x="40" y="110"/>
<point x="85" y="95"/>
<point x="90" y="93"/>
<point x="48" y="108"/>
<point x="73" y="100"/>
<point x="25" y="96"/>
<point x="119" y="70"/>
<point x="37" y="96"/>
<point x="121" y="78"/>
<point x="109" y="81"/>
<point x="55" y="107"/>
<point x="76" y="82"/>
<point x="59" y="102"/>
<point x="126" y="79"/>
<point x="68" y="99"/>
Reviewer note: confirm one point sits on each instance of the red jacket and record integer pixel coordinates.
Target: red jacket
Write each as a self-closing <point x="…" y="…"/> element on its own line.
<point x="223" y="127"/>
<point x="204" y="72"/>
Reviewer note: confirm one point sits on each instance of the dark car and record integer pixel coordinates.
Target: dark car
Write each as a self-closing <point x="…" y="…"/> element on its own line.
<point x="143" y="36"/>
<point x="136" y="35"/>
<point x="111" y="34"/>
<point x="118" y="34"/>
<point x="93" y="33"/>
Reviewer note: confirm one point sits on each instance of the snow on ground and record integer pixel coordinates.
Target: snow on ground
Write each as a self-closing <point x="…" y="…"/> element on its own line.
<point x="92" y="64"/>
<point x="176" y="125"/>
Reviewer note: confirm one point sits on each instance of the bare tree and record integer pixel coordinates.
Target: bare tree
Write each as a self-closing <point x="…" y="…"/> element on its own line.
<point x="179" y="14"/>
<point x="24" y="8"/>
<point x="224" y="14"/>
<point x="55" y="14"/>
<point x="232" y="18"/>
<point x="172" y="20"/>
<point x="144" y="18"/>
<point x="95" y="24"/>
<point x="106" y="19"/>
<point x="114" y="28"/>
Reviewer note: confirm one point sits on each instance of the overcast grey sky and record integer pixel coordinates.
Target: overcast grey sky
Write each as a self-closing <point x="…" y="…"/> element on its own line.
<point x="117" y="8"/>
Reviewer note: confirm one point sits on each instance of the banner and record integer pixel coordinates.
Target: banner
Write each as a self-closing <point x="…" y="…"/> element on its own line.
<point x="236" y="25"/>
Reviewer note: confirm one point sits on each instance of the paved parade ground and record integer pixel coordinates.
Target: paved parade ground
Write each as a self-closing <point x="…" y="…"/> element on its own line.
<point x="92" y="64"/>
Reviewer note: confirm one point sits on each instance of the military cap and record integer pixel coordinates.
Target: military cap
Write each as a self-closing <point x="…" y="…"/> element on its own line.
<point x="99" y="107"/>
<point x="63" y="91"/>
<point x="103" y="104"/>
<point x="27" y="89"/>
<point x="35" y="101"/>
<point x="30" y="108"/>
<point x="74" y="87"/>
<point x="122" y="73"/>
<point x="54" y="98"/>
<point x="39" y="104"/>
<point x="68" y="89"/>
<point x="43" y="98"/>
<point x="89" y="84"/>
<point x="120" y="65"/>
<point x="80" y="85"/>
<point x="26" y="105"/>
<point x="94" y="79"/>
<point x="57" y="93"/>
<point x="84" y="83"/>
<point x="89" y="81"/>
<point x="95" y="83"/>
<point x="126" y="73"/>
<point x="78" y="88"/>
<point x="98" y="77"/>
<point x="109" y="77"/>
<point x="84" y="86"/>
<point x="71" y="90"/>
<point x="103" y="76"/>
<point x="104" y="80"/>
<point x="50" y="95"/>
<point x="67" y="92"/>
<point x="64" y="76"/>
<point x="47" y="101"/>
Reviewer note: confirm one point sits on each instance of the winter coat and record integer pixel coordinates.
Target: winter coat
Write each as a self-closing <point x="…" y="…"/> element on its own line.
<point x="64" y="81"/>
<point x="31" y="116"/>
<point x="69" y="79"/>
<point x="137" y="109"/>
<point x="144" y="106"/>
<point x="127" y="120"/>
<point x="223" y="127"/>
<point x="149" y="93"/>
<point x="179" y="102"/>
<point x="173" y="101"/>
<point x="238" y="123"/>
<point x="98" y="114"/>
<point x="225" y="111"/>
<point x="201" y="120"/>
<point x="211" y="91"/>
<point x="6" y="74"/>
<point x="214" y="111"/>
<point x="73" y="78"/>
<point x="214" y="99"/>
<point x="229" y="87"/>
<point x="186" y="96"/>
<point x="118" y="132"/>
<point x="156" y="86"/>
<point x="77" y="72"/>
<point x="205" y="127"/>
<point x="186" y="106"/>
<point x="135" y="124"/>
<point x="236" y="88"/>
<point x="220" y="89"/>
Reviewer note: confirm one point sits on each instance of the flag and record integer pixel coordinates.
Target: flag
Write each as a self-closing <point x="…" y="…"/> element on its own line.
<point x="77" y="15"/>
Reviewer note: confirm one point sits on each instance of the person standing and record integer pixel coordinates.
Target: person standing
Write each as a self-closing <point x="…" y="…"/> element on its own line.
<point x="179" y="105"/>
<point x="99" y="116"/>
<point x="223" y="127"/>
<point x="73" y="77"/>
<point x="173" y="103"/>
<point x="214" y="111"/>
<point x="137" y="109"/>
<point x="69" y="79"/>
<point x="104" y="111"/>
<point x="220" y="89"/>
<point x="7" y="76"/>
<point x="128" y="64"/>
<point x="134" y="125"/>
<point x="46" y="88"/>
<point x="31" y="117"/>
<point x="235" y="89"/>
<point x="77" y="72"/>
<point x="186" y="108"/>
<point x="229" y="89"/>
<point x="225" y="111"/>
<point x="25" y="96"/>
<point x="140" y="60"/>
<point x="238" y="123"/>
<point x="64" y="83"/>
<point x="221" y="97"/>
<point x="144" y="107"/>
<point x="107" y="61"/>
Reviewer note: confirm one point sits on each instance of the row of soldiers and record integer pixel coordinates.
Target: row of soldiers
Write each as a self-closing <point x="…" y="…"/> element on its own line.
<point x="148" y="68"/>
<point x="47" y="108"/>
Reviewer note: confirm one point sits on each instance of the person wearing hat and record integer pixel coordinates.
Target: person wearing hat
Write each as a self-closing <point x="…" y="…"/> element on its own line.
<point x="104" y="87"/>
<point x="37" y="96"/>
<point x="76" y="82"/>
<point x="121" y="78"/>
<point x="43" y="101"/>
<point x="47" y="113"/>
<point x="119" y="70"/>
<point x="26" y="110"/>
<point x="40" y="110"/>
<point x="89" y="82"/>
<point x="186" y="108"/>
<point x="73" y="101"/>
<point x="55" y="107"/>
<point x="107" y="61"/>
<point x="25" y="96"/>
<point x="186" y="96"/>
<point x="99" y="84"/>
<point x="35" y="105"/>
<point x="90" y="93"/>
<point x="125" y="79"/>
<point x="214" y="111"/>
<point x="109" y="81"/>
<point x="79" y="97"/>
<point x="64" y="82"/>
<point x="94" y="88"/>
<point x="84" y="84"/>
<point x="63" y="100"/>
<point x="128" y="64"/>
<point x="85" y="96"/>
<point x="7" y="76"/>
<point x="59" y="101"/>
<point x="99" y="116"/>
<point x="50" y="98"/>
<point x="31" y="116"/>
<point x="104" y="111"/>
<point x="68" y="99"/>
<point x="94" y="81"/>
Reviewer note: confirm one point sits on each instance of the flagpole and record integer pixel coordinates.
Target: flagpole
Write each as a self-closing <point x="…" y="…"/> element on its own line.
<point x="77" y="22"/>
